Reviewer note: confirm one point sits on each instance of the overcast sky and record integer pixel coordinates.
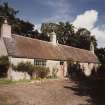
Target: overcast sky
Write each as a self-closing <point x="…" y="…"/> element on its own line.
<point x="89" y="14"/>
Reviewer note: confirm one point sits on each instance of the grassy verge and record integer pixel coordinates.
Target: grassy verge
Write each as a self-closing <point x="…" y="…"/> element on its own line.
<point x="4" y="81"/>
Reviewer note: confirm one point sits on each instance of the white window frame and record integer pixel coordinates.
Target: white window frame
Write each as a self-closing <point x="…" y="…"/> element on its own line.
<point x="40" y="62"/>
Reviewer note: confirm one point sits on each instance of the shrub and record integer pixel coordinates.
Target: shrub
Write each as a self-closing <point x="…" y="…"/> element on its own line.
<point x="32" y="70"/>
<point x="24" y="67"/>
<point x="41" y="72"/>
<point x="4" y="66"/>
<point x="101" y="71"/>
<point x="54" y="73"/>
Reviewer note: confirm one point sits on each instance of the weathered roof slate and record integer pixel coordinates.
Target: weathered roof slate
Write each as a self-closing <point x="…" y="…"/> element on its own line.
<point x="19" y="46"/>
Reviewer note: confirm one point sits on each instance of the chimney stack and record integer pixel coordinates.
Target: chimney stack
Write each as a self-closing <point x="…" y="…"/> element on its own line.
<point x="6" y="29"/>
<point x="92" y="47"/>
<point x="53" y="39"/>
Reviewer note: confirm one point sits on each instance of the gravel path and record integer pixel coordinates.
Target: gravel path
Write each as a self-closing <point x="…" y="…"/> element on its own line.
<point x="49" y="93"/>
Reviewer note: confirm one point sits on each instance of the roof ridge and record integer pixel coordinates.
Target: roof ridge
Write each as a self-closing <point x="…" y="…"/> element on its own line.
<point x="31" y="38"/>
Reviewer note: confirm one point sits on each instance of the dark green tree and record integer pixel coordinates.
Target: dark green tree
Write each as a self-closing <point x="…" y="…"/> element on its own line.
<point x="7" y="12"/>
<point x="85" y="38"/>
<point x="100" y="52"/>
<point x="66" y="34"/>
<point x="18" y="26"/>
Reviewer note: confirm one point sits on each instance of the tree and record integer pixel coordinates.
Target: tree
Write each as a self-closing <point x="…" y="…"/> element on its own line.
<point x="4" y="65"/>
<point x="66" y="34"/>
<point x="19" y="26"/>
<point x="22" y="28"/>
<point x="85" y="38"/>
<point x="7" y="12"/>
<point x="100" y="52"/>
<point x="64" y="31"/>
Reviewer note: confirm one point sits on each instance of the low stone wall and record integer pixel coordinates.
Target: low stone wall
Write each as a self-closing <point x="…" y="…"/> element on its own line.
<point x="17" y="75"/>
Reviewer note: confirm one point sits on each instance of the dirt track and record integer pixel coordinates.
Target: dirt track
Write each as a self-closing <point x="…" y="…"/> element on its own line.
<point x="49" y="93"/>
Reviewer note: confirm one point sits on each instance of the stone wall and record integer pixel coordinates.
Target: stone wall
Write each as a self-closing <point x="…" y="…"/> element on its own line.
<point x="16" y="75"/>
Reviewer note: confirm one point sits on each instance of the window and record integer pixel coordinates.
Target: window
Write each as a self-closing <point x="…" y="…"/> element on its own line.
<point x="61" y="62"/>
<point x="39" y="62"/>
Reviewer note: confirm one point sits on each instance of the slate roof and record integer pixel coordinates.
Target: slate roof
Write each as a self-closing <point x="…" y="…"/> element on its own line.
<point x="24" y="47"/>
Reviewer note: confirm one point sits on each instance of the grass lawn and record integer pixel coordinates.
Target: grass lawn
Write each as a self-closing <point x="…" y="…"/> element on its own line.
<point x="4" y="81"/>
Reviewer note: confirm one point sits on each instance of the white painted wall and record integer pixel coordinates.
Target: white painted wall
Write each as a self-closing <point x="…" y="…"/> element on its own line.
<point x="52" y="65"/>
<point x="65" y="68"/>
<point x="15" y="61"/>
<point x="16" y="75"/>
<point x="61" y="69"/>
<point x="88" y="67"/>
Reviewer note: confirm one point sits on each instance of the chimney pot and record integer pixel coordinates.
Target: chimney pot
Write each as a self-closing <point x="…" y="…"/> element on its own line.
<point x="92" y="47"/>
<point x="53" y="38"/>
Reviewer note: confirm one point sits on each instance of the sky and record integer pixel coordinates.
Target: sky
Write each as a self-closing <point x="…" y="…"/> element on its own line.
<point x="88" y="14"/>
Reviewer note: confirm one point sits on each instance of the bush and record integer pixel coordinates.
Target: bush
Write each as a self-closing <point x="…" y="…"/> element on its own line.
<point x="54" y="73"/>
<point x="4" y="66"/>
<point x="25" y="67"/>
<point x="41" y="72"/>
<point x="38" y="71"/>
<point x="101" y="71"/>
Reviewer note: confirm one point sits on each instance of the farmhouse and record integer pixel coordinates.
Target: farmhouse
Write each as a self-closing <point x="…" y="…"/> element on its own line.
<point x="49" y="54"/>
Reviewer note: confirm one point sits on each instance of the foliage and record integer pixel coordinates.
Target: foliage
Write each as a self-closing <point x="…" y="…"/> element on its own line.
<point x="41" y="71"/>
<point x="75" y="70"/>
<point x="32" y="70"/>
<point x="85" y="38"/>
<point x="66" y="34"/>
<point x="65" y="31"/>
<point x="54" y="73"/>
<point x="24" y="67"/>
<point x="100" y="52"/>
<point x="7" y="12"/>
<point x="5" y="81"/>
<point x="101" y="55"/>
<point x="4" y="65"/>
<point x="19" y="26"/>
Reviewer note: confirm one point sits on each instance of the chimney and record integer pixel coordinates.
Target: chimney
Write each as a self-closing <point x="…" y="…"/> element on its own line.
<point x="6" y="29"/>
<point x="53" y="39"/>
<point x="92" y="47"/>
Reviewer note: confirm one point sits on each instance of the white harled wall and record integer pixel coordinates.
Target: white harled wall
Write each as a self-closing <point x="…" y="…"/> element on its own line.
<point x="61" y="70"/>
<point x="88" y="67"/>
<point x="51" y="64"/>
<point x="15" y="61"/>
<point x="16" y="75"/>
